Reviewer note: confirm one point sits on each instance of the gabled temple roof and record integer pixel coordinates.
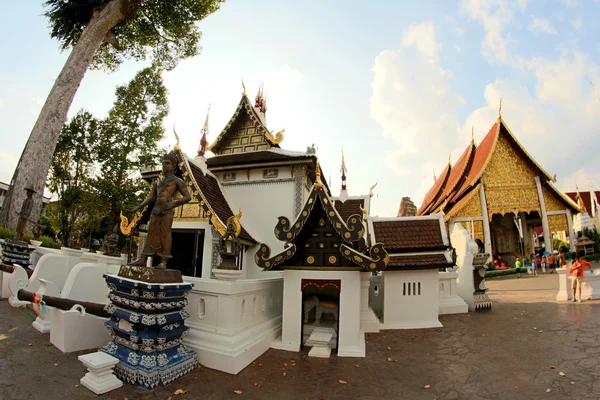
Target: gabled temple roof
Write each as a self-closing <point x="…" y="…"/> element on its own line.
<point x="208" y="192"/>
<point x="435" y="191"/>
<point x="467" y="172"/>
<point x="248" y="124"/>
<point x="339" y="245"/>
<point x="413" y="242"/>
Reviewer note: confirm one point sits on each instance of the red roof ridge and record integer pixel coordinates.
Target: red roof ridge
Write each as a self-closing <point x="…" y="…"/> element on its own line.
<point x="435" y="190"/>
<point x="456" y="175"/>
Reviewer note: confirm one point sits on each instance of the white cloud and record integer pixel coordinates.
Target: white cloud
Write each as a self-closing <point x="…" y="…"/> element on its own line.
<point x="422" y="37"/>
<point x="459" y="31"/>
<point x="494" y="15"/>
<point x="457" y="47"/>
<point x="1" y="102"/>
<point x="415" y="106"/>
<point x="570" y="3"/>
<point x="557" y="123"/>
<point x="541" y="25"/>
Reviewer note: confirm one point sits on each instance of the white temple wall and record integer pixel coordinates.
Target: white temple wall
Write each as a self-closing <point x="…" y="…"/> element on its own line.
<point x="233" y="322"/>
<point x="262" y="203"/>
<point x="411" y="299"/>
<point x="351" y="339"/>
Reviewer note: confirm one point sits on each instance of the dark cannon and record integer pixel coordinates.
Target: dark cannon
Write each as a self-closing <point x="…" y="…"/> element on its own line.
<point x="96" y="309"/>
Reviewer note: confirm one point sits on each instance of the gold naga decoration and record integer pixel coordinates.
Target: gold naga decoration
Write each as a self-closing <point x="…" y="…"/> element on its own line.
<point x="219" y="227"/>
<point x="176" y="148"/>
<point x="371" y="194"/>
<point x="127" y="226"/>
<point x="318" y="184"/>
<point x="278" y="138"/>
<point x="244" y="87"/>
<point x="234" y="221"/>
<point x="365" y="213"/>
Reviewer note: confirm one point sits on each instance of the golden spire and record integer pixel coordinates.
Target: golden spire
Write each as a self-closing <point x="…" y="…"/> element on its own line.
<point x="472" y="134"/>
<point x="318" y="184"/>
<point x="176" y="148"/>
<point x="449" y="156"/>
<point x="203" y="140"/>
<point x="500" y="109"/>
<point x="434" y="177"/>
<point x="343" y="171"/>
<point x="243" y="86"/>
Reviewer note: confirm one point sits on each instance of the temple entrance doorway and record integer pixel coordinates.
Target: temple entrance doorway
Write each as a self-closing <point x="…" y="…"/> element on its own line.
<point x="320" y="309"/>
<point x="507" y="242"/>
<point x="187" y="250"/>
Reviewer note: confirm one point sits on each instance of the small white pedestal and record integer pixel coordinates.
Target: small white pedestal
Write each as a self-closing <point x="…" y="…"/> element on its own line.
<point x="100" y="378"/>
<point x="227" y="274"/>
<point x="320" y="342"/>
<point x="42" y="325"/>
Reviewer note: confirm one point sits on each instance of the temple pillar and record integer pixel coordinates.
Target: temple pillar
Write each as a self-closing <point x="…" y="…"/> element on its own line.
<point x="572" y="238"/>
<point x="487" y="239"/>
<point x="545" y="226"/>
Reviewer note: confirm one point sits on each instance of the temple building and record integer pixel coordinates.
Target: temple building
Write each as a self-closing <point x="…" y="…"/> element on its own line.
<point x="501" y="194"/>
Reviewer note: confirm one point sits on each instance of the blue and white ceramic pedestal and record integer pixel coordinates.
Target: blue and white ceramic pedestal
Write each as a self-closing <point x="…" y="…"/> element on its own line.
<point x="147" y="327"/>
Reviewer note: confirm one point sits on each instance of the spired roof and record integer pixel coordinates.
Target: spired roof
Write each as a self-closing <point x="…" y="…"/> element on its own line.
<point x="586" y="198"/>
<point x="320" y="239"/>
<point x="456" y="190"/>
<point x="414" y="243"/>
<point x="435" y="191"/>
<point x="207" y="190"/>
<point x="245" y="131"/>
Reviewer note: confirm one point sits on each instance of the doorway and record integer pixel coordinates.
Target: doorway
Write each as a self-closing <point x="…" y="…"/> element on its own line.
<point x="320" y="309"/>
<point x="187" y="250"/>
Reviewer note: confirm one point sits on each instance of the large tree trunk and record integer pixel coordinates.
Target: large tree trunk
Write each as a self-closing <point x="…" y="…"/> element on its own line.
<point x="33" y="166"/>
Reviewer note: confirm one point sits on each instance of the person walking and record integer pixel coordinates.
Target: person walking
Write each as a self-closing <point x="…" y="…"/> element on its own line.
<point x="577" y="270"/>
<point x="544" y="264"/>
<point x="534" y="266"/>
<point x="518" y="267"/>
<point x="551" y="263"/>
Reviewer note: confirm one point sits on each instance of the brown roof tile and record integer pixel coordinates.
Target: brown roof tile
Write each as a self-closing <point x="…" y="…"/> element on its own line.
<point x="212" y="191"/>
<point x="421" y="261"/>
<point x="409" y="235"/>
<point x="349" y="207"/>
<point x="435" y="190"/>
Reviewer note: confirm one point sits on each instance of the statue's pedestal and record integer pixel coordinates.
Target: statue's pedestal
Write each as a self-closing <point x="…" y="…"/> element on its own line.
<point x="16" y="252"/>
<point x="147" y="326"/>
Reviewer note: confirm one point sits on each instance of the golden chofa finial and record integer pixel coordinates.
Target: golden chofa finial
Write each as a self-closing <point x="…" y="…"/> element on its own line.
<point x="434" y="177"/>
<point x="449" y="157"/>
<point x="176" y="148"/>
<point x="472" y="134"/>
<point x="234" y="223"/>
<point x="500" y="109"/>
<point x="244" y="87"/>
<point x="318" y="183"/>
<point x="371" y="194"/>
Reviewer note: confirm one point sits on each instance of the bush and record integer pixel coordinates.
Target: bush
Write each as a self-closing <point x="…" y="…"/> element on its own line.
<point x="591" y="257"/>
<point x="508" y="271"/>
<point x="49" y="242"/>
<point x="491" y="266"/>
<point x="27" y="237"/>
<point x="6" y="233"/>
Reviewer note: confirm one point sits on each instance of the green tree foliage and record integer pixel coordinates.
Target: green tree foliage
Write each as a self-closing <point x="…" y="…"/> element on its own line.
<point x="162" y="29"/>
<point x="129" y="140"/>
<point x="71" y="177"/>
<point x="95" y="168"/>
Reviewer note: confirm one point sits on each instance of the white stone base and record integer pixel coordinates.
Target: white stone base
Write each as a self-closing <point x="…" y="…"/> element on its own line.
<point x="310" y="329"/>
<point x="231" y="352"/>
<point x="413" y="325"/>
<point x="453" y="305"/>
<point x="354" y="351"/>
<point x="100" y="378"/>
<point x="227" y="274"/>
<point x="320" y="341"/>
<point x="278" y="344"/>
<point x="4" y="290"/>
<point x="42" y="325"/>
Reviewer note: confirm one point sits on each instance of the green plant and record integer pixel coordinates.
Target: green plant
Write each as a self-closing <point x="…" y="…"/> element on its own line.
<point x="27" y="237"/>
<point x="6" y="233"/>
<point x="49" y="242"/>
<point x="591" y="257"/>
<point x="508" y="271"/>
<point x="491" y="266"/>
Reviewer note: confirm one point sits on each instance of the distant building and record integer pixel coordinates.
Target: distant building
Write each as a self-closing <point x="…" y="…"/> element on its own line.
<point x="407" y="208"/>
<point x="4" y="191"/>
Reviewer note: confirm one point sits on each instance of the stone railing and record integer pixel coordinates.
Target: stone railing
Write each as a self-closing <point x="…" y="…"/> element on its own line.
<point x="449" y="301"/>
<point x="233" y="322"/>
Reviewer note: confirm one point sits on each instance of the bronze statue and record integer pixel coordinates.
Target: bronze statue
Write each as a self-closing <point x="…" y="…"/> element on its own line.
<point x="24" y="214"/>
<point x="111" y="243"/>
<point x="158" y="240"/>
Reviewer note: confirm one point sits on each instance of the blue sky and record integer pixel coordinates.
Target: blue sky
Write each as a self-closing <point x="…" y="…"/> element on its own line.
<point x="398" y="85"/>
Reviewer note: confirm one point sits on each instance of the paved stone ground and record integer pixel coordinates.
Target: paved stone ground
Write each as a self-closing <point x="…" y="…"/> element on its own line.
<point x="515" y="351"/>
